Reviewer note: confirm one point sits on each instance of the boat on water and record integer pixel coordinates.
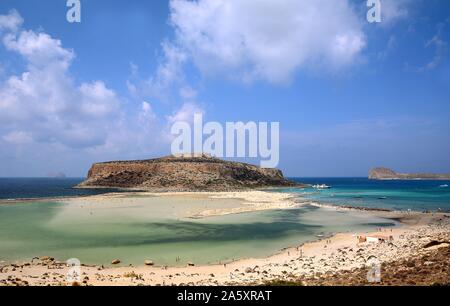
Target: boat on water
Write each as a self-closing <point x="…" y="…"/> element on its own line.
<point x="323" y="186"/>
<point x="443" y="186"/>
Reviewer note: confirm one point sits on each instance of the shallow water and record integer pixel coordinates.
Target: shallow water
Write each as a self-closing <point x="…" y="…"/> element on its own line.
<point x="134" y="229"/>
<point x="139" y="228"/>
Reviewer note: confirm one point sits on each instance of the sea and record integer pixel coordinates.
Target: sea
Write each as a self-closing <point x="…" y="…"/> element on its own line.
<point x="35" y="188"/>
<point x="402" y="195"/>
<point x="416" y="195"/>
<point x="134" y="229"/>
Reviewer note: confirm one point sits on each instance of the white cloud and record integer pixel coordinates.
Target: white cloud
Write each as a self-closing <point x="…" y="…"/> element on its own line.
<point x="39" y="49"/>
<point x="43" y="110"/>
<point x="188" y="93"/>
<point x="393" y="11"/>
<point x="18" y="137"/>
<point x="252" y="40"/>
<point x="440" y="47"/>
<point x="147" y="116"/>
<point x="98" y="100"/>
<point x="146" y="107"/>
<point x="45" y="104"/>
<point x="169" y="72"/>
<point x="267" y="40"/>
<point x="185" y="113"/>
<point x="10" y="22"/>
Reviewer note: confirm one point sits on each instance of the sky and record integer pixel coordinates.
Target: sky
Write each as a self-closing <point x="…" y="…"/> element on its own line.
<point x="349" y="95"/>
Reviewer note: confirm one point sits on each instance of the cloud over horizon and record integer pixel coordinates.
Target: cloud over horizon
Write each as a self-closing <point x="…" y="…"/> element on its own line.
<point x="44" y="105"/>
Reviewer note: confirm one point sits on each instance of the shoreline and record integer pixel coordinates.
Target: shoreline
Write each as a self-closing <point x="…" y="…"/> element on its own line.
<point x="292" y="263"/>
<point x="287" y="264"/>
<point x="234" y="193"/>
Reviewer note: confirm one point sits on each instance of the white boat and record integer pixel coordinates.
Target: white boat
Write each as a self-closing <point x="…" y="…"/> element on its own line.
<point x="323" y="186"/>
<point x="443" y="186"/>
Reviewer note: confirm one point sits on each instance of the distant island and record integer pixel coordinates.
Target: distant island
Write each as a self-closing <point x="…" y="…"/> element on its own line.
<point x="388" y="174"/>
<point x="59" y="175"/>
<point x="183" y="173"/>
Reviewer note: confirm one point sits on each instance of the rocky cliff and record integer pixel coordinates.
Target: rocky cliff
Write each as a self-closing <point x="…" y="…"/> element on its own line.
<point x="388" y="174"/>
<point x="182" y="174"/>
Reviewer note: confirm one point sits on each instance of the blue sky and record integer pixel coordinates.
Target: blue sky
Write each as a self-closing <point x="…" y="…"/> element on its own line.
<point x="349" y="95"/>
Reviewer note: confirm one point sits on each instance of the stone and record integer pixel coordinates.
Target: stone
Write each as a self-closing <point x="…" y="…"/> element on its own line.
<point x="183" y="174"/>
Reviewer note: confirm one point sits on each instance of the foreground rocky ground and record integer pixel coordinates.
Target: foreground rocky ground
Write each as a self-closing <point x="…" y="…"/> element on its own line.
<point x="418" y="255"/>
<point x="430" y="269"/>
<point x="418" y="258"/>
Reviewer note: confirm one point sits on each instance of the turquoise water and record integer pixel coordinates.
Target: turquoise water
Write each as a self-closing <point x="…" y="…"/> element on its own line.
<point x="418" y="195"/>
<point x="134" y="231"/>
<point x="401" y="195"/>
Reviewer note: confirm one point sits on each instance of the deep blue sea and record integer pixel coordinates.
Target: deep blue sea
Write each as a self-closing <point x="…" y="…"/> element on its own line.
<point x="399" y="195"/>
<point x="30" y="188"/>
<point x="418" y="195"/>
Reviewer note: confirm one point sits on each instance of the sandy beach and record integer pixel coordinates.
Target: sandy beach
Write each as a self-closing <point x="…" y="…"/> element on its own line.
<point x="310" y="261"/>
<point x="251" y="201"/>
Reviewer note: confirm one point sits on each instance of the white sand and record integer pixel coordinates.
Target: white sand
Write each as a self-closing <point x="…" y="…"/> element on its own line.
<point x="247" y="201"/>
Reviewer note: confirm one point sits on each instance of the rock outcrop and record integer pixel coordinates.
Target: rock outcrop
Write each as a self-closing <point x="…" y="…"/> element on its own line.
<point x="183" y="174"/>
<point x="388" y="174"/>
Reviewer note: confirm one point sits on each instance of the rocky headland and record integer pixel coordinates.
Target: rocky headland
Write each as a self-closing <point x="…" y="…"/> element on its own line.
<point x="168" y="174"/>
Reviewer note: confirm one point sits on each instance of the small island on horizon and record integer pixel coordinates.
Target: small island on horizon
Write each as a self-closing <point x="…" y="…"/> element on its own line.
<point x="388" y="174"/>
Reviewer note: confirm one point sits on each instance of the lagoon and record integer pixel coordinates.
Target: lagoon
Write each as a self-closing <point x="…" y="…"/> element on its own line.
<point x="135" y="228"/>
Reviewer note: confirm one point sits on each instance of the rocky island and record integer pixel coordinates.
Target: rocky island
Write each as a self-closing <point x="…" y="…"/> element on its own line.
<point x="183" y="174"/>
<point x="388" y="174"/>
